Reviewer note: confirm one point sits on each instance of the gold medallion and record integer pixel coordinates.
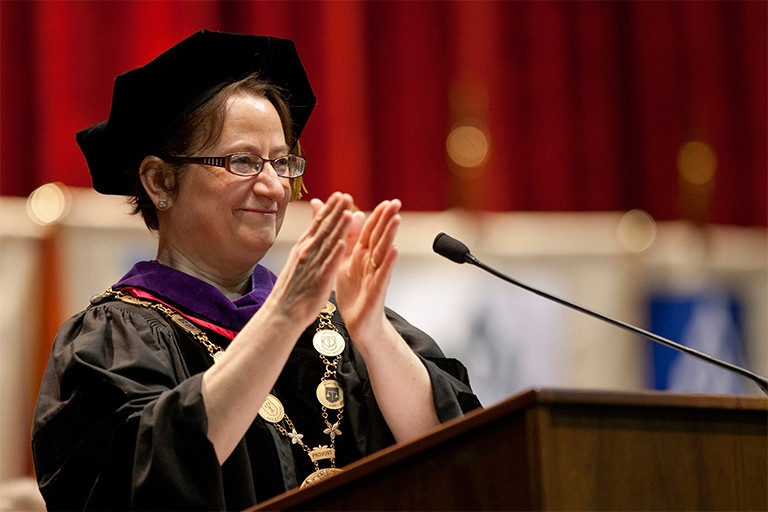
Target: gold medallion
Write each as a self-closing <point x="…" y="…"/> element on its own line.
<point x="320" y="474"/>
<point x="329" y="308"/>
<point x="330" y="394"/>
<point x="328" y="342"/>
<point x="185" y="324"/>
<point x="130" y="299"/>
<point x="272" y="409"/>
<point x="217" y="355"/>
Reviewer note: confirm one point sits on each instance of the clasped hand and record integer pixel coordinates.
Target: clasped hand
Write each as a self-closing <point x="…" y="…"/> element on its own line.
<point x="342" y="249"/>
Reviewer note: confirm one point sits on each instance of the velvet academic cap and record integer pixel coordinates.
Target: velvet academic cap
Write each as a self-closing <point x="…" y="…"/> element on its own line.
<point x="147" y="102"/>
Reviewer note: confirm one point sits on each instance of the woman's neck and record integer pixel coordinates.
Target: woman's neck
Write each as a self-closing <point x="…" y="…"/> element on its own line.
<point x="232" y="284"/>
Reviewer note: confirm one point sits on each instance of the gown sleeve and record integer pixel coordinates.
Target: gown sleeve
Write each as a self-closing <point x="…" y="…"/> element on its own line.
<point x="118" y="416"/>
<point x="451" y="390"/>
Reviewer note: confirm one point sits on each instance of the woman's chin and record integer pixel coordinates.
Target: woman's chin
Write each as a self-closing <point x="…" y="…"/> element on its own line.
<point x="259" y="243"/>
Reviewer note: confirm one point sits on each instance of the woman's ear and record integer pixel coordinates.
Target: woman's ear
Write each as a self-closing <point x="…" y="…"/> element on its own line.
<point x="158" y="180"/>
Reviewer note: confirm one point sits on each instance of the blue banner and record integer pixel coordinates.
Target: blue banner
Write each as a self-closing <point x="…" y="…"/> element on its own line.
<point x="708" y="321"/>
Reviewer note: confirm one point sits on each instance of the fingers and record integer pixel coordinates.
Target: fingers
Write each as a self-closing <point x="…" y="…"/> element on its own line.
<point x="378" y="236"/>
<point x="376" y="223"/>
<point x="330" y="223"/>
<point x="356" y="226"/>
<point x="383" y="249"/>
<point x="323" y="244"/>
<point x="372" y="238"/>
<point x="316" y="205"/>
<point x="324" y="215"/>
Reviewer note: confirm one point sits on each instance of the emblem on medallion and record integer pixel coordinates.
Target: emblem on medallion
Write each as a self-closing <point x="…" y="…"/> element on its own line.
<point x="328" y="342"/>
<point x="330" y="394"/>
<point x="272" y="409"/>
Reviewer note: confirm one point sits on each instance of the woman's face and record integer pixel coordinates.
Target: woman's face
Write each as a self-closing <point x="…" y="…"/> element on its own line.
<point x="225" y="222"/>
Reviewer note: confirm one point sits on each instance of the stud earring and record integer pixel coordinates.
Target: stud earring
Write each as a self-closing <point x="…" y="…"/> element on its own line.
<point x="162" y="204"/>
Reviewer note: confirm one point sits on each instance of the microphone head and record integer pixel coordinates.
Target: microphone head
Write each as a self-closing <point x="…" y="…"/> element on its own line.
<point x="450" y="248"/>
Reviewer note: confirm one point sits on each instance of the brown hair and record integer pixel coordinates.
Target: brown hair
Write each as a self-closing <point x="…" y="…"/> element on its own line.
<point x="202" y="128"/>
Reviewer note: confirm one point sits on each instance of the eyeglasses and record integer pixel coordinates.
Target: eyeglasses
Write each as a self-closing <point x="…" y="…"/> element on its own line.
<point x="248" y="164"/>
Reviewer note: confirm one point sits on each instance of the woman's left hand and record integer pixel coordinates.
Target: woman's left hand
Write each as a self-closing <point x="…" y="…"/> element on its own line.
<point x="363" y="278"/>
<point x="399" y="379"/>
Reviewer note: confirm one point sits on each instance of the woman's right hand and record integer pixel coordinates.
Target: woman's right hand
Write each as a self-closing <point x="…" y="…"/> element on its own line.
<point x="307" y="279"/>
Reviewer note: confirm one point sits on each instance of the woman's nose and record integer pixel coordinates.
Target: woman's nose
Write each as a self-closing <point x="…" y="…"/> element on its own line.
<point x="267" y="182"/>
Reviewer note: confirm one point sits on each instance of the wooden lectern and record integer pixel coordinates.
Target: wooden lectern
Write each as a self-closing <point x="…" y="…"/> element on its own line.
<point x="567" y="450"/>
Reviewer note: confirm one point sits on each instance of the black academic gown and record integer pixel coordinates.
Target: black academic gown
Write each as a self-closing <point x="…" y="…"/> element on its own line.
<point x="120" y="421"/>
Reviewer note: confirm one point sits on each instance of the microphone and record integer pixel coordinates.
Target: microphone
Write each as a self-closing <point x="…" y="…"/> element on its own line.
<point x="456" y="251"/>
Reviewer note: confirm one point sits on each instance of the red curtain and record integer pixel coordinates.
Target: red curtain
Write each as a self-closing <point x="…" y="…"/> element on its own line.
<point x="585" y="105"/>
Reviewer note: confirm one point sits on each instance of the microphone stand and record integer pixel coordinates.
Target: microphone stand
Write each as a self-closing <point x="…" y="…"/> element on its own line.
<point x="761" y="382"/>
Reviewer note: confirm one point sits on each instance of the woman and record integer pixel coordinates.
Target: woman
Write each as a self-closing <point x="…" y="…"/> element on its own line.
<point x="201" y="380"/>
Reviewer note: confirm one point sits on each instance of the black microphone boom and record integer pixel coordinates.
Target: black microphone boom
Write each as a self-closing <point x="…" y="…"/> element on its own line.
<point x="456" y="251"/>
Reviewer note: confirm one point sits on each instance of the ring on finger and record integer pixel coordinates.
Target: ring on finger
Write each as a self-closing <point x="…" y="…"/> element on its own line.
<point x="374" y="264"/>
